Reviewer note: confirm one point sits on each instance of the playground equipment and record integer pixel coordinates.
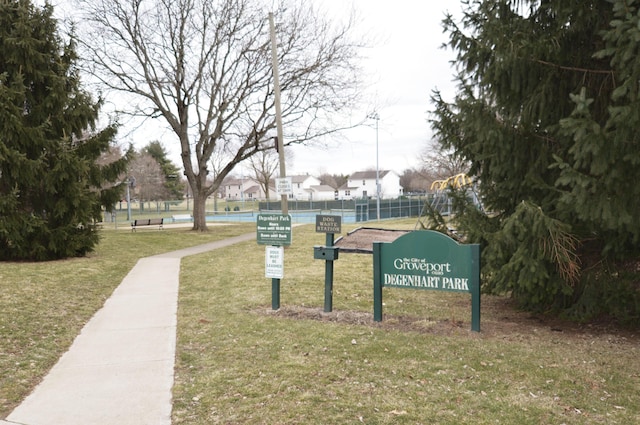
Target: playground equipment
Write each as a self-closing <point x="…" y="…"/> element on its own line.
<point x="458" y="181"/>
<point x="440" y="201"/>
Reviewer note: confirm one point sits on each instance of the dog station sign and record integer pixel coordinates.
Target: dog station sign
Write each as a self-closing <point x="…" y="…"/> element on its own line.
<point x="427" y="260"/>
<point x="328" y="224"/>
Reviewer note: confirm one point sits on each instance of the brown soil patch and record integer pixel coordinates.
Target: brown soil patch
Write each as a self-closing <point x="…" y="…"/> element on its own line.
<point x="499" y="320"/>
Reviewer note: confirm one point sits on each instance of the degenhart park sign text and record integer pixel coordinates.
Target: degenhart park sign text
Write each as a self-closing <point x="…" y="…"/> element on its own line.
<point x="426" y="259"/>
<point x="433" y="275"/>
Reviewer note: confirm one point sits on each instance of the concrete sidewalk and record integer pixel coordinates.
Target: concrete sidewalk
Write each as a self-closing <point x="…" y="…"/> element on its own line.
<point x="119" y="370"/>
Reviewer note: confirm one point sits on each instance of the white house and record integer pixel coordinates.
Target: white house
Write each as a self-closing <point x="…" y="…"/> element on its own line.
<point x="322" y="192"/>
<point x="362" y="184"/>
<point x="304" y="187"/>
<point x="348" y="192"/>
<point x="245" y="189"/>
<point x="301" y="186"/>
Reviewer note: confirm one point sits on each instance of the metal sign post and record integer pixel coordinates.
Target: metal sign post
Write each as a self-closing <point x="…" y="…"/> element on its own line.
<point x="329" y="224"/>
<point x="274" y="230"/>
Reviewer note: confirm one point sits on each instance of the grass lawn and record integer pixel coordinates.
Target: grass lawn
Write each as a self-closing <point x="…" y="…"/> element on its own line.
<point x="43" y="306"/>
<point x="240" y="362"/>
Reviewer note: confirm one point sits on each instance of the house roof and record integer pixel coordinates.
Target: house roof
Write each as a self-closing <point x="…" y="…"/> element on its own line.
<point x="300" y="178"/>
<point x="231" y="181"/>
<point x="253" y="189"/>
<point x="323" y="188"/>
<point x="368" y="175"/>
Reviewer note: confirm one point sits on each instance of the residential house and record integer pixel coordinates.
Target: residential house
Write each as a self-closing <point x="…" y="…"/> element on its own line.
<point x="245" y="189"/>
<point x="301" y="186"/>
<point x="322" y="192"/>
<point x="348" y="192"/>
<point x="362" y="184"/>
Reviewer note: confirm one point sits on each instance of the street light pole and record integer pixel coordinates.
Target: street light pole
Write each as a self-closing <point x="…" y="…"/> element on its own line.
<point x="131" y="183"/>
<point x="128" y="182"/>
<point x="376" y="117"/>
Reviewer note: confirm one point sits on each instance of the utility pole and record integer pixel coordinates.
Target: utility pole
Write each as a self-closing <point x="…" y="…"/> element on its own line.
<point x="276" y="83"/>
<point x="377" y="170"/>
<point x="275" y="282"/>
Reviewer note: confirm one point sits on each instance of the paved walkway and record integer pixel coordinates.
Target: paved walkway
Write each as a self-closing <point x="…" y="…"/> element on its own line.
<point x="119" y="370"/>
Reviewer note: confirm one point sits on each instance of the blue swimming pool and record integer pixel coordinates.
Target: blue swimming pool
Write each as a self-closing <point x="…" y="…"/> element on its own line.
<point x="348" y="216"/>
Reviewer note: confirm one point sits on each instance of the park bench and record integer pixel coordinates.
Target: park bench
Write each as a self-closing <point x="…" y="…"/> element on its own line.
<point x="181" y="217"/>
<point x="147" y="222"/>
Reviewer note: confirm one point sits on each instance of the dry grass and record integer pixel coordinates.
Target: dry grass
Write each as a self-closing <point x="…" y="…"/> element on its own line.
<point x="240" y="362"/>
<point x="43" y="306"/>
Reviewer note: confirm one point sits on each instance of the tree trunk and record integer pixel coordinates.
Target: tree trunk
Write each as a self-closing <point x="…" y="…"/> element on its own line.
<point x="199" y="214"/>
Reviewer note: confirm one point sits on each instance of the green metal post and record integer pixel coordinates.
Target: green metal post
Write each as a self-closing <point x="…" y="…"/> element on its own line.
<point x="275" y="294"/>
<point x="475" y="288"/>
<point x="377" y="282"/>
<point x="328" y="278"/>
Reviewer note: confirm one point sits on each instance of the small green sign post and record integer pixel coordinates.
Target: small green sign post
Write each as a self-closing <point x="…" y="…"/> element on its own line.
<point x="330" y="225"/>
<point x="426" y="259"/>
<point x="274" y="230"/>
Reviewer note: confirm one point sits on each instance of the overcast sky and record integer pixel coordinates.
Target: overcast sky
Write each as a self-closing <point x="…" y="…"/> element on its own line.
<point x="402" y="68"/>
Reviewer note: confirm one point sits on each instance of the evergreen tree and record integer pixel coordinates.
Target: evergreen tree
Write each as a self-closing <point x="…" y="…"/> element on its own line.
<point x="51" y="188"/>
<point x="547" y="114"/>
<point x="173" y="184"/>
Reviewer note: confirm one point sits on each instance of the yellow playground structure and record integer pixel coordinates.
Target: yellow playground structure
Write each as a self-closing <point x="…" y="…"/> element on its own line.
<point x="457" y="182"/>
<point x="438" y="200"/>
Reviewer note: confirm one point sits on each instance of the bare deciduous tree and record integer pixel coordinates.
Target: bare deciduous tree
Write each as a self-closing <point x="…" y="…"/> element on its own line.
<point x="439" y="164"/>
<point x="416" y="180"/>
<point x="149" y="179"/>
<point x="204" y="66"/>
<point x="265" y="165"/>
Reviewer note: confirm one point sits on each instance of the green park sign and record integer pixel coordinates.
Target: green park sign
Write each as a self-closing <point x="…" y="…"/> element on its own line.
<point x="426" y="259"/>
<point x="273" y="229"/>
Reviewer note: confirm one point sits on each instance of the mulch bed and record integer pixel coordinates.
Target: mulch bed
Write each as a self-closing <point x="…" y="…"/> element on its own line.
<point x="361" y="239"/>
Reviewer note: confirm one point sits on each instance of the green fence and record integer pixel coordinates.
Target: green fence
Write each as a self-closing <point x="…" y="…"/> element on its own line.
<point x="364" y="209"/>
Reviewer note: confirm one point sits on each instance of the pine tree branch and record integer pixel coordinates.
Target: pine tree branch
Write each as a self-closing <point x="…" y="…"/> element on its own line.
<point x="575" y="69"/>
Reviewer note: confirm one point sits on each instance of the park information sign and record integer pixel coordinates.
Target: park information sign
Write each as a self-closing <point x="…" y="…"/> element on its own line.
<point x="426" y="259"/>
<point x="273" y="229"/>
